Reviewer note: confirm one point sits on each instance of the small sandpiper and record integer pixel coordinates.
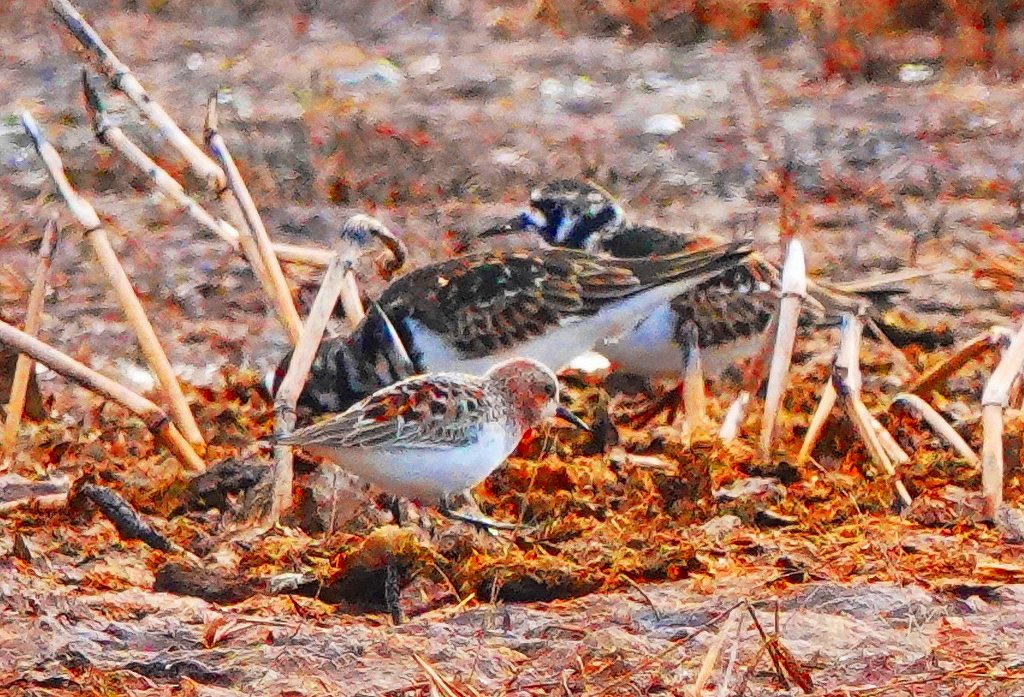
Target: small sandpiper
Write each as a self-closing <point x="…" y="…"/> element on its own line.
<point x="431" y="436"/>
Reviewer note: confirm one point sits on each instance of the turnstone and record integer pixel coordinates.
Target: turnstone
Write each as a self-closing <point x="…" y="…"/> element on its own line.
<point x="469" y="313"/>
<point x="730" y="311"/>
<point x="428" y="437"/>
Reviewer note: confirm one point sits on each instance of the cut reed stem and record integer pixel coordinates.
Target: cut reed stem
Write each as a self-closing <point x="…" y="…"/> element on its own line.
<point x="794" y="290"/>
<point x="974" y="348"/>
<point x="110" y="134"/>
<point x="818" y="421"/>
<point x="734" y="418"/>
<point x="938" y="424"/>
<point x="122" y="79"/>
<point x="846" y="379"/>
<point x="33" y="317"/>
<point x="994" y="400"/>
<point x="154" y="417"/>
<point x="333" y="284"/>
<point x="274" y="281"/>
<point x="695" y="403"/>
<point x="119" y="281"/>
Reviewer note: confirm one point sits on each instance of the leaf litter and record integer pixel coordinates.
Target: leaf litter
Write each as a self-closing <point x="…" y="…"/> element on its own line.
<point x="853" y="598"/>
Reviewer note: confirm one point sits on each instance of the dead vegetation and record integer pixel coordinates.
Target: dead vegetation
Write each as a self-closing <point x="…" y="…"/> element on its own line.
<point x="877" y="497"/>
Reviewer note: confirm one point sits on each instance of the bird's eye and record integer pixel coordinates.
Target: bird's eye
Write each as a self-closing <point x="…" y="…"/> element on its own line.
<point x="550" y="389"/>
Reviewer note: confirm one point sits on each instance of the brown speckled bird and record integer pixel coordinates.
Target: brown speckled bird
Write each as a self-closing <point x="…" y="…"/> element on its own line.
<point x="469" y="313"/>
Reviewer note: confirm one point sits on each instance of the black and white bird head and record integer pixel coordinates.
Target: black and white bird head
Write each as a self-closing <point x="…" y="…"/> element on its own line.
<point x="566" y="213"/>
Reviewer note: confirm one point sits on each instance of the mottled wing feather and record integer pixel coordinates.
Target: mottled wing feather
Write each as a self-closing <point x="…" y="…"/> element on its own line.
<point x="489" y="301"/>
<point x="421" y="412"/>
<point x="632" y="240"/>
<point x="733" y="306"/>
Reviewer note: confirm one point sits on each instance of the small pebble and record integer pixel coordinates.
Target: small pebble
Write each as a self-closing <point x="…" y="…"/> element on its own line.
<point x="915" y="72"/>
<point x="663" y="125"/>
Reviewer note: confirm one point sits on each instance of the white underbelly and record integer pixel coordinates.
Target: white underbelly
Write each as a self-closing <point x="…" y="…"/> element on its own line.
<point x="651" y="350"/>
<point x="558" y="346"/>
<point x="426" y="474"/>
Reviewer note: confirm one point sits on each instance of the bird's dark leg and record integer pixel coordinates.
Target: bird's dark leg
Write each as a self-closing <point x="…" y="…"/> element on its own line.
<point x="395" y="506"/>
<point x="480" y="521"/>
<point x="392" y="590"/>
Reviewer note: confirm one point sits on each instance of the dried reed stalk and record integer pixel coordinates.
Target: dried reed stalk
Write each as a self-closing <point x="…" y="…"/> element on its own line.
<point x="112" y="135"/>
<point x="893" y="449"/>
<point x="154" y="417"/>
<point x="274" y="280"/>
<point x="818" y="421"/>
<point x="707" y="666"/>
<point x="333" y="284"/>
<point x="847" y="381"/>
<point x="794" y="290"/>
<point x="122" y="79"/>
<point x="974" y="348"/>
<point x="938" y="424"/>
<point x="994" y="400"/>
<point x="33" y="317"/>
<point x="733" y="418"/>
<point x="133" y="310"/>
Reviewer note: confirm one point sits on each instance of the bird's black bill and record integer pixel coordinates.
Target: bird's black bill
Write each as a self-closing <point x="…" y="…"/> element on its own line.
<point x="567" y="415"/>
<point x="520" y="223"/>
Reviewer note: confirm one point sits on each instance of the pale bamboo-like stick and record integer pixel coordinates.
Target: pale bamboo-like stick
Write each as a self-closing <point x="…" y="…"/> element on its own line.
<point x="847" y="380"/>
<point x="133" y="310"/>
<point x="994" y="399"/>
<point x="733" y="418"/>
<point x="972" y="349"/>
<point x="298" y="371"/>
<point x="695" y="403"/>
<point x="847" y="359"/>
<point x="896" y="453"/>
<point x="707" y="666"/>
<point x="818" y="421"/>
<point x="33" y="317"/>
<point x="938" y="424"/>
<point x="112" y="135"/>
<point x="794" y="289"/>
<point x="122" y="79"/>
<point x="154" y="417"/>
<point x="723" y="686"/>
<point x="274" y="282"/>
<point x="47" y="502"/>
